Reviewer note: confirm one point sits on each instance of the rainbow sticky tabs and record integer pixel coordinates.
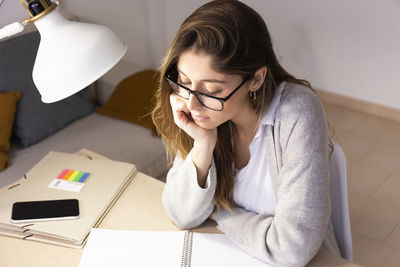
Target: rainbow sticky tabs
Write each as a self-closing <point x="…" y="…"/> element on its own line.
<point x="79" y="176"/>
<point x="73" y="175"/>
<point x="67" y="175"/>
<point x="64" y="172"/>
<point x="83" y="178"/>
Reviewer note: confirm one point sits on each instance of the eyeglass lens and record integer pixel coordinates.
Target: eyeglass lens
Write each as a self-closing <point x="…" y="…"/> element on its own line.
<point x="206" y="101"/>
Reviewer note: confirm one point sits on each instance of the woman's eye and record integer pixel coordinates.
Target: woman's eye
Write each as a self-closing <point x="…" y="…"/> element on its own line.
<point x="213" y="92"/>
<point x="184" y="82"/>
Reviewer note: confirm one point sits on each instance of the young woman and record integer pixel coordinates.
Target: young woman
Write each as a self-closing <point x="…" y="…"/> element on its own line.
<point x="249" y="141"/>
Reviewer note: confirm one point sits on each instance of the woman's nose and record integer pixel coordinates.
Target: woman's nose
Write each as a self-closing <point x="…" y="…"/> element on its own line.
<point x="193" y="103"/>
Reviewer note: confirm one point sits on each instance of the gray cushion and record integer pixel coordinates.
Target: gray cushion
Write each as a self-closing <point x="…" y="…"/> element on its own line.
<point x="35" y="120"/>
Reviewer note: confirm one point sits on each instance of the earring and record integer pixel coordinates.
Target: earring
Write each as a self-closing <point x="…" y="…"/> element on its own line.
<point x="253" y="95"/>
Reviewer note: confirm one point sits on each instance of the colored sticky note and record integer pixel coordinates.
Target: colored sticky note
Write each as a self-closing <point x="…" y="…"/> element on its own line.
<point x="79" y="176"/>
<point x="63" y="173"/>
<point x="68" y="174"/>
<point x="83" y="178"/>
<point x="73" y="175"/>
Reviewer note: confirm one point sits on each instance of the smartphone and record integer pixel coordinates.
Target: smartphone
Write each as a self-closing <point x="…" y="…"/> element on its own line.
<point x="46" y="210"/>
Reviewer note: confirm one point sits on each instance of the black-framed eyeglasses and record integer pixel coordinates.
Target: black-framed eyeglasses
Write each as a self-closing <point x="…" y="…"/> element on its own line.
<point x="208" y="101"/>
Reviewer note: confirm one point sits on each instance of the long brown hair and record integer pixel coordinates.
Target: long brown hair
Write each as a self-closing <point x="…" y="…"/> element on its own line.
<point x="237" y="39"/>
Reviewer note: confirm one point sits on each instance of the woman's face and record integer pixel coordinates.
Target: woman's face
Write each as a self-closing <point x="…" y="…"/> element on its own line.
<point x="195" y="72"/>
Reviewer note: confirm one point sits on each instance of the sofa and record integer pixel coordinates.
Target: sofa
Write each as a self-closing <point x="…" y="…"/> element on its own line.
<point x="116" y="126"/>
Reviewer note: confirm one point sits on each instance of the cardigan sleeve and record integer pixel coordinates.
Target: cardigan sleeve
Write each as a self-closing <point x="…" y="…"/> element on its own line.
<point x="186" y="203"/>
<point x="294" y="234"/>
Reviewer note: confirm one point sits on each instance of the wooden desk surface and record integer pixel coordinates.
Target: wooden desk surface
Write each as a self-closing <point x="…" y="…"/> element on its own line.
<point x="139" y="208"/>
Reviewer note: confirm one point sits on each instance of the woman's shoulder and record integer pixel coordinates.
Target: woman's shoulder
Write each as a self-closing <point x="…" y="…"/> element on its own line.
<point x="298" y="94"/>
<point x="298" y="99"/>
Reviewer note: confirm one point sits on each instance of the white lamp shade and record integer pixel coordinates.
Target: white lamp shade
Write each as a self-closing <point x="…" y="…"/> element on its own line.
<point x="72" y="55"/>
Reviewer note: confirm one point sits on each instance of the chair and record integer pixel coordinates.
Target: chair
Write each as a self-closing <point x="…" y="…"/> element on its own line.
<point x="340" y="209"/>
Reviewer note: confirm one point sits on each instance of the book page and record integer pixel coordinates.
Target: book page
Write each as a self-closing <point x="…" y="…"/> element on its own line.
<point x="161" y="249"/>
<point x="132" y="248"/>
<point x="219" y="250"/>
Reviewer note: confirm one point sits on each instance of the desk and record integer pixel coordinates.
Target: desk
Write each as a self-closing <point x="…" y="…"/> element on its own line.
<point x="139" y="208"/>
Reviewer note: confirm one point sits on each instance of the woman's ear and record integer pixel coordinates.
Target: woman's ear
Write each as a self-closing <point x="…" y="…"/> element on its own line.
<point x="258" y="79"/>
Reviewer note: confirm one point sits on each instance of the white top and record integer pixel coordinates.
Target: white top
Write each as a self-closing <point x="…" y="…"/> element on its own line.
<point x="253" y="189"/>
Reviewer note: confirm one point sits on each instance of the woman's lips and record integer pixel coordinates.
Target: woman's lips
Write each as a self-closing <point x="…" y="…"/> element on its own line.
<point x="199" y="118"/>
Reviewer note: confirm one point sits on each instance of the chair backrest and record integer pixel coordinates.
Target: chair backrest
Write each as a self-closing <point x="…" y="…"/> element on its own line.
<point x="340" y="209"/>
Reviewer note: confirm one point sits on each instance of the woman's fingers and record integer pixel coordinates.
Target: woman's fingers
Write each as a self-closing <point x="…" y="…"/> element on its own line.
<point x="183" y="118"/>
<point x="179" y="111"/>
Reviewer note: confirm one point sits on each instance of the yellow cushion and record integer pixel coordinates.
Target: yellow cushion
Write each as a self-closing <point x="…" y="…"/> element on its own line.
<point x="132" y="99"/>
<point x="8" y="104"/>
<point x="3" y="161"/>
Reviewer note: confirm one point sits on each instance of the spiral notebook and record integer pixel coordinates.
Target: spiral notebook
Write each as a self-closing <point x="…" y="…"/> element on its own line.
<point x="163" y="249"/>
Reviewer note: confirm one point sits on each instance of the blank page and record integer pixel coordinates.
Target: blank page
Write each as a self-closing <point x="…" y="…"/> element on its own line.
<point x="219" y="250"/>
<point x="117" y="248"/>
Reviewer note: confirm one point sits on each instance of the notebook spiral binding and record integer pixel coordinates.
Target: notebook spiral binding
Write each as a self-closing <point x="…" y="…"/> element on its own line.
<point x="187" y="249"/>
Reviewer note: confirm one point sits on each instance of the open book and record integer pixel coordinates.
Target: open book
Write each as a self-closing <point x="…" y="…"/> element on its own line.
<point x="163" y="249"/>
<point x="95" y="182"/>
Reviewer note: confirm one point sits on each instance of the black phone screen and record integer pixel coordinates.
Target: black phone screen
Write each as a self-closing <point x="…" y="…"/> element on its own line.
<point x="47" y="209"/>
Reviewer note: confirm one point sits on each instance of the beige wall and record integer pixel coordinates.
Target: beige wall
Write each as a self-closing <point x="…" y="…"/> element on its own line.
<point x="127" y="18"/>
<point x="350" y="48"/>
<point x="11" y="11"/>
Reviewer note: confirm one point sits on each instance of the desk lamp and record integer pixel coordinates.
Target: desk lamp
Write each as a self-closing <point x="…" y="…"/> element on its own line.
<point x="71" y="55"/>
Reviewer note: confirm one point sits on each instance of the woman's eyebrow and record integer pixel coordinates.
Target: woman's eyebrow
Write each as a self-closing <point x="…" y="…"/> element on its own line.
<point x="205" y="80"/>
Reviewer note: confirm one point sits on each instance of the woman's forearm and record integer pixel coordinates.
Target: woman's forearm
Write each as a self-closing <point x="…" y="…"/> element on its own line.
<point x="202" y="155"/>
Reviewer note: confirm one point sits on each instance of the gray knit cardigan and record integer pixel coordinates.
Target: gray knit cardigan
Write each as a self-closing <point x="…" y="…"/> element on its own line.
<point x="298" y="159"/>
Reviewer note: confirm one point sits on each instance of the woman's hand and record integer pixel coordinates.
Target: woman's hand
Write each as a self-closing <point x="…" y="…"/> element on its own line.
<point x="184" y="121"/>
<point x="204" y="139"/>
